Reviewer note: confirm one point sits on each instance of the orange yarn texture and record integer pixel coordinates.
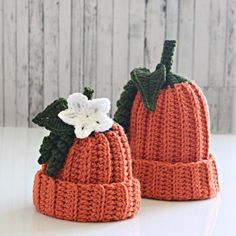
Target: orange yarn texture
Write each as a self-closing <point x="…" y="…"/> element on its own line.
<point x="170" y="146"/>
<point x="95" y="184"/>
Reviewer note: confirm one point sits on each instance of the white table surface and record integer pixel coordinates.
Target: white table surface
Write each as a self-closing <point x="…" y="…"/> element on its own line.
<point x="18" y="164"/>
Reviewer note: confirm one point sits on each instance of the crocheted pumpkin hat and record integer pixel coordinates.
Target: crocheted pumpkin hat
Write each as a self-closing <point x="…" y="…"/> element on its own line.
<point x="167" y="121"/>
<point x="86" y="172"/>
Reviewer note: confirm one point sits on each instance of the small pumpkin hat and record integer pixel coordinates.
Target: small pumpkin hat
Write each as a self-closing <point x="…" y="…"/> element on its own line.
<point x="86" y="172"/>
<point x="167" y="121"/>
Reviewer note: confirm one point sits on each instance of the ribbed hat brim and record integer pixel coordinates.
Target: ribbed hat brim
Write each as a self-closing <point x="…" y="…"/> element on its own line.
<point x="178" y="181"/>
<point x="86" y="202"/>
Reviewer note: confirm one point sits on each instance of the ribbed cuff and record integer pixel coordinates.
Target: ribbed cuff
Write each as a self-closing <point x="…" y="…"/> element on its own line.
<point x="86" y="202"/>
<point x="179" y="181"/>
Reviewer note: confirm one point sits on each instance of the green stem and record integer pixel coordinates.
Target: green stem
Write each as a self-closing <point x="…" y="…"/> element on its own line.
<point x="167" y="55"/>
<point x="88" y="92"/>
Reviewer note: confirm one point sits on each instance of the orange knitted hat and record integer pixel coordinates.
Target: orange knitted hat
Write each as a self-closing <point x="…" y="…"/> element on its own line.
<point x="85" y="179"/>
<point x="167" y="121"/>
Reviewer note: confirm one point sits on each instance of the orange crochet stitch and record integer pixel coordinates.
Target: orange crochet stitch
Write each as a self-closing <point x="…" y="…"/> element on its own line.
<point x="173" y="162"/>
<point x="95" y="184"/>
<point x="170" y="145"/>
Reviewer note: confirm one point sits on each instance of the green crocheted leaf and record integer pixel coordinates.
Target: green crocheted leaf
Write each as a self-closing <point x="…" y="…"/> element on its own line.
<point x="55" y="146"/>
<point x="50" y="120"/>
<point x="58" y="154"/>
<point x="124" y="105"/>
<point x="149" y="84"/>
<point x="54" y="150"/>
<point x="46" y="148"/>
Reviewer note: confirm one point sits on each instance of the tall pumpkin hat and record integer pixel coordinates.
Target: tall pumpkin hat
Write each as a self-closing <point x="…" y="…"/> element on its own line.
<point x="86" y="172"/>
<point x="167" y="121"/>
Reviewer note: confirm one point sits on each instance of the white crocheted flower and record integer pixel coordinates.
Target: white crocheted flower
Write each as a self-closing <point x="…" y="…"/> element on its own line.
<point x="87" y="115"/>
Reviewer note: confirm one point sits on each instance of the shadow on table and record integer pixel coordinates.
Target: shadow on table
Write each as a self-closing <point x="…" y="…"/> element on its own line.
<point x="154" y="215"/>
<point x="182" y="217"/>
<point x="27" y="221"/>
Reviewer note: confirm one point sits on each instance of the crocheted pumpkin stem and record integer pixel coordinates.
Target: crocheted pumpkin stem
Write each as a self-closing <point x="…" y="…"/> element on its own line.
<point x="88" y="92"/>
<point x="167" y="55"/>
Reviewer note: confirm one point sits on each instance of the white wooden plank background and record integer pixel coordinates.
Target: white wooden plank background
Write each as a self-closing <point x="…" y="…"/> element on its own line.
<point x="104" y="44"/>
<point x="120" y="51"/>
<point x="77" y="44"/>
<point x="154" y="32"/>
<point x="230" y="59"/>
<point x="172" y="10"/>
<point x="1" y="65"/>
<point x="64" y="83"/>
<point x="90" y="42"/>
<point x="185" y="37"/>
<point x="22" y="58"/>
<point x="36" y="51"/>
<point x="218" y="13"/>
<point x="201" y="42"/>
<point x="50" y="48"/>
<point x="136" y="33"/>
<point x="9" y="62"/>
